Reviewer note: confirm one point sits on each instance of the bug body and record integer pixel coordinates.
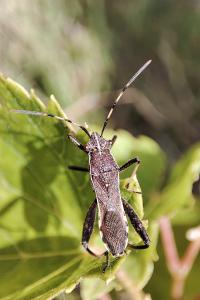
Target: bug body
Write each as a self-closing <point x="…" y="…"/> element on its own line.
<point x="104" y="174"/>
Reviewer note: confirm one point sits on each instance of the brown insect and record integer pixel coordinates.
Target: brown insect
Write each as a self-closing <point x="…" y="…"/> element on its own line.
<point x="104" y="174"/>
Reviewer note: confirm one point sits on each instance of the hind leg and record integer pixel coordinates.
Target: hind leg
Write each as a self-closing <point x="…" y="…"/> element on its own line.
<point x="137" y="225"/>
<point x="88" y="227"/>
<point x="87" y="232"/>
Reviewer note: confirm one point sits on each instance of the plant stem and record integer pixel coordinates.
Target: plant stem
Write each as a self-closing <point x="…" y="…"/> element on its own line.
<point x="190" y="255"/>
<point x="133" y="291"/>
<point x="178" y="267"/>
<point x="105" y="297"/>
<point x="169" y="245"/>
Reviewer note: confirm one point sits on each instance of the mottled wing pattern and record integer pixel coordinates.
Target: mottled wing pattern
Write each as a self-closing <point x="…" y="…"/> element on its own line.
<point x="112" y="220"/>
<point x="114" y="233"/>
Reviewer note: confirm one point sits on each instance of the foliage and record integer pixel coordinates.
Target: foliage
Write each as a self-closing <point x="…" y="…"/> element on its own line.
<point x="43" y="204"/>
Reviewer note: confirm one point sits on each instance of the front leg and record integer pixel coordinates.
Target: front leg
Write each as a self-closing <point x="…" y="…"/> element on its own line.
<point x="76" y="142"/>
<point x="137" y="225"/>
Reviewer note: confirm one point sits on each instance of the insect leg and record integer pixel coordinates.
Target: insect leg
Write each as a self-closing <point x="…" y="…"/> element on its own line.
<point x="76" y="142"/>
<point x="77" y="168"/>
<point x="113" y="140"/>
<point x="107" y="261"/>
<point x="88" y="226"/>
<point x="87" y="231"/>
<point x="129" y="163"/>
<point x="138" y="226"/>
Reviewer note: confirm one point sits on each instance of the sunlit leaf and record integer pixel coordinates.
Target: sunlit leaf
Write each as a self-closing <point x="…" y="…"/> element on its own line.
<point x="94" y="288"/>
<point x="139" y="265"/>
<point x="151" y="170"/>
<point x="42" y="203"/>
<point x="178" y="191"/>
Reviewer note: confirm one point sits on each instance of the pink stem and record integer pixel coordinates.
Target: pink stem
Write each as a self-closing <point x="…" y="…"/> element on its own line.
<point x="189" y="256"/>
<point x="178" y="268"/>
<point x="169" y="245"/>
<point x="177" y="287"/>
<point x="105" y="297"/>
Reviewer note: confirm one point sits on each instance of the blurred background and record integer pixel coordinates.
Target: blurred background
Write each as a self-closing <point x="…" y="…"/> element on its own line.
<point x="83" y="52"/>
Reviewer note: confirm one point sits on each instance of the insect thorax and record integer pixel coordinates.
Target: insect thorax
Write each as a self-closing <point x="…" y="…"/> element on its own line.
<point x="97" y="143"/>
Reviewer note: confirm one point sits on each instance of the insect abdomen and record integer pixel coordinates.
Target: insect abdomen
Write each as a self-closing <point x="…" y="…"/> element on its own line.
<point x="114" y="232"/>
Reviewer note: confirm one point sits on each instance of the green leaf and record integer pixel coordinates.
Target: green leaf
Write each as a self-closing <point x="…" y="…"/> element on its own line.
<point x="151" y="170"/>
<point x="177" y="194"/>
<point x="42" y="203"/>
<point x="188" y="215"/>
<point x="140" y="264"/>
<point x="94" y="288"/>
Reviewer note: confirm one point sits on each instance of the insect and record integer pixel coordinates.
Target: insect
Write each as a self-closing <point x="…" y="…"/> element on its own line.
<point x="104" y="174"/>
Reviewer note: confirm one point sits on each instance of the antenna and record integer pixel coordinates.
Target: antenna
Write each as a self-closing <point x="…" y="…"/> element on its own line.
<point x="122" y="92"/>
<point x="43" y="114"/>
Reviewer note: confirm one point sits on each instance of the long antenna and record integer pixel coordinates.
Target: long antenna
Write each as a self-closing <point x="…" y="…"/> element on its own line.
<point x="122" y="92"/>
<point x="43" y="114"/>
